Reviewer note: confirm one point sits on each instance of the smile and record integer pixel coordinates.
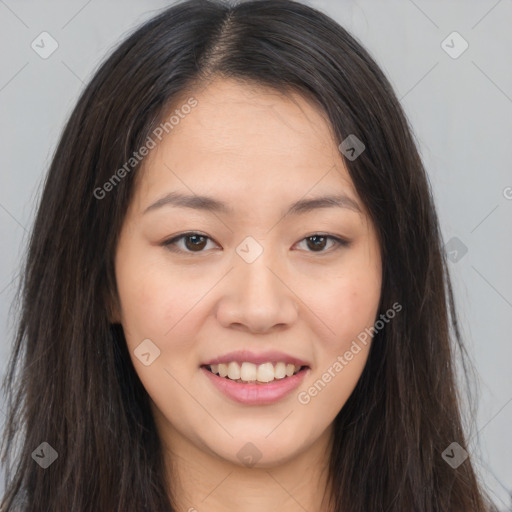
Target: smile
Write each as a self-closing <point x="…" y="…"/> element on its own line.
<point x="251" y="385"/>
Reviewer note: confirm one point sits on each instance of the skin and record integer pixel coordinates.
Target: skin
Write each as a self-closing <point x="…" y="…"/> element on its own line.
<point x="258" y="151"/>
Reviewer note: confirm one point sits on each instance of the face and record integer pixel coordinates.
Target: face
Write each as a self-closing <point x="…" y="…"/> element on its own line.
<point x="245" y="278"/>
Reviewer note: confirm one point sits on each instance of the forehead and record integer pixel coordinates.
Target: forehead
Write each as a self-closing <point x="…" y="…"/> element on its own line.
<point x="245" y="119"/>
<point x="247" y="139"/>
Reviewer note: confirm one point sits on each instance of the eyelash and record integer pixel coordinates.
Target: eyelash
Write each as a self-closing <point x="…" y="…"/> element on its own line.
<point x="170" y="244"/>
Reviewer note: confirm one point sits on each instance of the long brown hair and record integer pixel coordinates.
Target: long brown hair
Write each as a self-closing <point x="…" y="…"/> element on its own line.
<point x="71" y="382"/>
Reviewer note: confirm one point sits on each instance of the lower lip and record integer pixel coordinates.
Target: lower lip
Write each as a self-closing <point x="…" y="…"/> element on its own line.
<point x="256" y="394"/>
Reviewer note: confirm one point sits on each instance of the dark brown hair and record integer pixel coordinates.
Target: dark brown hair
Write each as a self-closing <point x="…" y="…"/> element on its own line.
<point x="71" y="382"/>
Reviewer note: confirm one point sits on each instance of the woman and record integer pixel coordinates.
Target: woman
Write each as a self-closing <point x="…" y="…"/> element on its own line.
<point x="235" y="294"/>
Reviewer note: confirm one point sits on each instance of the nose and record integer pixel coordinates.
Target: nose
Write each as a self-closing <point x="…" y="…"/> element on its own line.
<point x="257" y="297"/>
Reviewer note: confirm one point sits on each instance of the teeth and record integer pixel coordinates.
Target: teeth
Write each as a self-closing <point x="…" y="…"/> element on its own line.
<point x="249" y="372"/>
<point x="223" y="370"/>
<point x="265" y="372"/>
<point x="280" y="371"/>
<point x="233" y="371"/>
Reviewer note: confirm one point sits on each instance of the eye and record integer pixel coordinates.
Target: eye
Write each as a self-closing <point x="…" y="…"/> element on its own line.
<point x="317" y="242"/>
<point x="194" y="242"/>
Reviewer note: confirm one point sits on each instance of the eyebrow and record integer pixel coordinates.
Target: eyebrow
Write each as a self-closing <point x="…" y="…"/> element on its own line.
<point x="210" y="204"/>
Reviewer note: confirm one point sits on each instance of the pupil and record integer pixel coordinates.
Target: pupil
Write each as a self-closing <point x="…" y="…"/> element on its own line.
<point x="316" y="244"/>
<point x="194" y="244"/>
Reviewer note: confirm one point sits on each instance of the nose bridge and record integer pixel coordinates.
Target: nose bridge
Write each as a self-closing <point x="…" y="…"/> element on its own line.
<point x="258" y="298"/>
<point x="253" y="268"/>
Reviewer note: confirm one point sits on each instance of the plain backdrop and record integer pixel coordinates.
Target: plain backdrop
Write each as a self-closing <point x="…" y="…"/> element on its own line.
<point x="459" y="103"/>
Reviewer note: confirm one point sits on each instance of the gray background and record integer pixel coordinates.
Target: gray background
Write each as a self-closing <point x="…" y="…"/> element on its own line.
<point x="460" y="109"/>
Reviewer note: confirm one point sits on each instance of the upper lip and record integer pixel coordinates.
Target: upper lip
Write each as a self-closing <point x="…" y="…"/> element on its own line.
<point x="271" y="356"/>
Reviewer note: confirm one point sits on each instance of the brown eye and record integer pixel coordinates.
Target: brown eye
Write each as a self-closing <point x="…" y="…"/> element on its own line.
<point x="192" y="242"/>
<point x="318" y="243"/>
<point x="195" y="242"/>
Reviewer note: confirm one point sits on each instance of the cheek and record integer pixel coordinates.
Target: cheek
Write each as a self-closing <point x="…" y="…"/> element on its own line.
<point x="154" y="301"/>
<point x="347" y="305"/>
<point x="158" y="306"/>
<point x="163" y="305"/>
<point x="349" y="310"/>
<point x="143" y="301"/>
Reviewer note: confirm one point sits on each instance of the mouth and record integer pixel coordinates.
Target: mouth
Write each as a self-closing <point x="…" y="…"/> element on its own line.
<point x="255" y="385"/>
<point x="259" y="374"/>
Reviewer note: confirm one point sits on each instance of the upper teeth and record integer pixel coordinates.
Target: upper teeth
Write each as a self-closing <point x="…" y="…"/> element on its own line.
<point x="248" y="372"/>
